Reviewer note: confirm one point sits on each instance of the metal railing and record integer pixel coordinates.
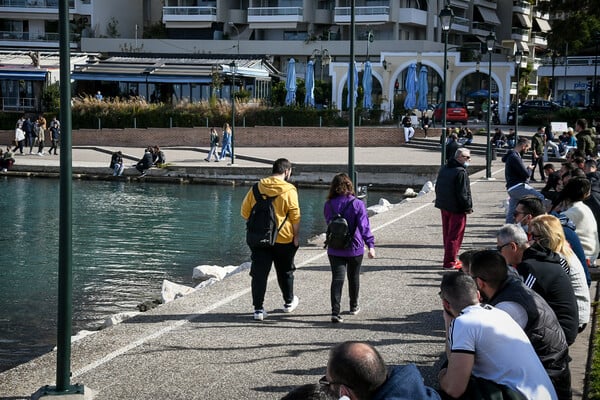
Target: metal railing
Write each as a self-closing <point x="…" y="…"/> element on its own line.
<point x="18" y="103"/>
<point x="204" y="10"/>
<point x="371" y="10"/>
<point x="34" y="36"/>
<point x="33" y="3"/>
<point x="274" y="11"/>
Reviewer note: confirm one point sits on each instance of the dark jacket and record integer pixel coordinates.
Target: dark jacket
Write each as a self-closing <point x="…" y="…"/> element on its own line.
<point x="515" y="170"/>
<point x="453" y="189"/>
<point x="542" y="330"/>
<point x="537" y="144"/>
<point x="541" y="271"/>
<point x="146" y="160"/>
<point x="405" y="383"/>
<point x="586" y="142"/>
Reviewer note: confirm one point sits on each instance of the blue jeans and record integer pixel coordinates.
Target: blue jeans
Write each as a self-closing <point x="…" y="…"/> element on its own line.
<point x="226" y="149"/>
<point x="516" y="193"/>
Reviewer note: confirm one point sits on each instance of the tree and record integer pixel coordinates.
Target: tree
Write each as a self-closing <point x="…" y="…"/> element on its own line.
<point x="581" y="19"/>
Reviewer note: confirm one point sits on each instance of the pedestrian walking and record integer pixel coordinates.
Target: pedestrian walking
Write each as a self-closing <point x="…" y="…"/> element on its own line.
<point x="537" y="151"/>
<point x="54" y="135"/>
<point x="283" y="244"/>
<point x="226" y="145"/>
<point x="347" y="260"/>
<point x="214" y="143"/>
<point x="41" y="134"/>
<point x="19" y="137"/>
<point x="453" y="198"/>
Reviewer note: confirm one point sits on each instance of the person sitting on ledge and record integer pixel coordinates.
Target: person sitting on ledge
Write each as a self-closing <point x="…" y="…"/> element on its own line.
<point x="145" y="162"/>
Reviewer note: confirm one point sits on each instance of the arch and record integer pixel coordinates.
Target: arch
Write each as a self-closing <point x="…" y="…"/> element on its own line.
<point x="495" y="77"/>
<point x="341" y="84"/>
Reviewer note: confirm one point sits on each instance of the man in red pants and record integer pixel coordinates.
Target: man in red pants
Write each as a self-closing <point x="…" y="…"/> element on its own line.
<point x="453" y="198"/>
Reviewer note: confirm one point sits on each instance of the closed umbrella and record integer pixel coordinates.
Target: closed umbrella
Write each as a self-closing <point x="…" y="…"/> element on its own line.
<point x="355" y="84"/>
<point x="290" y="83"/>
<point x="367" y="86"/>
<point x="422" y="89"/>
<point x="309" y="83"/>
<point x="411" y="87"/>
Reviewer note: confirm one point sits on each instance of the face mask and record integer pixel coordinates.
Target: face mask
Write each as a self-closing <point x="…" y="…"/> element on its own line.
<point x="466" y="164"/>
<point x="524" y="227"/>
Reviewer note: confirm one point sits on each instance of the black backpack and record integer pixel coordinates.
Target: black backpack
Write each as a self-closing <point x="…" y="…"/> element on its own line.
<point x="339" y="235"/>
<point x="261" y="227"/>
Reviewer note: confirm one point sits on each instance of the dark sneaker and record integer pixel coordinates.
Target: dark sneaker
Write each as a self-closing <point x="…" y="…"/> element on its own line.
<point x="336" y="319"/>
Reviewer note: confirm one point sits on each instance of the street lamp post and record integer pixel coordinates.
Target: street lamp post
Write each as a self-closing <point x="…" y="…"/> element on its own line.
<point x="489" y="40"/>
<point x="233" y="68"/>
<point x="518" y="59"/>
<point x="237" y="32"/>
<point x="553" y="57"/>
<point x="446" y="16"/>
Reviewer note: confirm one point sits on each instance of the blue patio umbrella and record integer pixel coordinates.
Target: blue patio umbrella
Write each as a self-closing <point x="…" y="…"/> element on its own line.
<point x="482" y="93"/>
<point x="355" y="84"/>
<point x="422" y="89"/>
<point x="290" y="83"/>
<point x="367" y="83"/>
<point x="309" y="83"/>
<point x="411" y="87"/>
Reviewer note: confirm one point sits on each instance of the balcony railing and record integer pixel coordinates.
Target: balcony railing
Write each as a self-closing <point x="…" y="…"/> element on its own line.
<point x="33" y="3"/>
<point x="523" y="6"/>
<point x="274" y="11"/>
<point x="204" y="10"/>
<point x="362" y="14"/>
<point x="34" y="36"/>
<point x="483" y="26"/>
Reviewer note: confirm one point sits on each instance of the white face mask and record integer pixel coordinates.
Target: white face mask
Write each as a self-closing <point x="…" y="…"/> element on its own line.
<point x="466" y="164"/>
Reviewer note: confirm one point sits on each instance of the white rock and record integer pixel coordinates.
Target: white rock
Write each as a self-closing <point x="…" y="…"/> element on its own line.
<point x="118" y="318"/>
<point x="171" y="291"/>
<point x="204" y="272"/>
<point x="427" y="187"/>
<point x="385" y="203"/>
<point x="208" y="282"/>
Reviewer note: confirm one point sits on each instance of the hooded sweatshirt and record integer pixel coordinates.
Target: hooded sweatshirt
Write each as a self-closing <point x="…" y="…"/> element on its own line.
<point x="285" y="203"/>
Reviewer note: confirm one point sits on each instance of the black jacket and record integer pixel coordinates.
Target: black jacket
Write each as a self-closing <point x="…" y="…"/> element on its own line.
<point x="541" y="271"/>
<point x="515" y="170"/>
<point x="452" y="188"/>
<point x="542" y="330"/>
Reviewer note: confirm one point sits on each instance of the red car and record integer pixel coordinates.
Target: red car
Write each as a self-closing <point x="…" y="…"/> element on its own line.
<point x="456" y="112"/>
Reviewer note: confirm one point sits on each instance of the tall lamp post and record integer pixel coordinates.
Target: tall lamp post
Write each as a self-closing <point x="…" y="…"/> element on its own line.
<point x="553" y="57"/>
<point x="237" y="32"/>
<point x="489" y="41"/>
<point x="446" y="16"/>
<point x="518" y="59"/>
<point x="233" y="68"/>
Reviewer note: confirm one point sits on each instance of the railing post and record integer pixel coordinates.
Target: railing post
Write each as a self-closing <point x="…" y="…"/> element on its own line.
<point x="99" y="124"/>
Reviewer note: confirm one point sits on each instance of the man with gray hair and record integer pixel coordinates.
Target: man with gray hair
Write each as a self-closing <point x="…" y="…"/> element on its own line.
<point x="541" y="271"/>
<point x="517" y="176"/>
<point x="453" y="198"/>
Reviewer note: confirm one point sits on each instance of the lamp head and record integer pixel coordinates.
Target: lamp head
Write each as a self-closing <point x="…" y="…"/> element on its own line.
<point x="446" y="16"/>
<point x="490" y="40"/>
<point x="518" y="57"/>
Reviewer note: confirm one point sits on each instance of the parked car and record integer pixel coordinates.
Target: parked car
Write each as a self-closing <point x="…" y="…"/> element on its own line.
<point x="538" y="106"/>
<point x="456" y="112"/>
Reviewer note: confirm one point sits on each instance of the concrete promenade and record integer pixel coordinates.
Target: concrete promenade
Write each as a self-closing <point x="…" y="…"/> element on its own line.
<point x="206" y="345"/>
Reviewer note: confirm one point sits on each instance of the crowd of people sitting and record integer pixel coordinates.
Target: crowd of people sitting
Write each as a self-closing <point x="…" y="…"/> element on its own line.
<point x="153" y="157"/>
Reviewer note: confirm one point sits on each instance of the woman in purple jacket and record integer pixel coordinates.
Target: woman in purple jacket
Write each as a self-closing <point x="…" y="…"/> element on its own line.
<point x="347" y="260"/>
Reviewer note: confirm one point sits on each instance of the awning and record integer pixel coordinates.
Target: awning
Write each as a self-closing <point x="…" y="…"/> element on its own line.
<point x="23" y="75"/>
<point x="524" y="20"/>
<point x="178" y="79"/>
<point x="489" y="15"/>
<point x="543" y="24"/>
<point x="90" y="76"/>
<point x="522" y="46"/>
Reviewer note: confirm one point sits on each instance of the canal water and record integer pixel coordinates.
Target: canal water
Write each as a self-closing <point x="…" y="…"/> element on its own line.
<point x="127" y="238"/>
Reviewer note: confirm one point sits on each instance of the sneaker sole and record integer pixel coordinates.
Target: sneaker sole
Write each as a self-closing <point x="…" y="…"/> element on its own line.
<point x="354" y="312"/>
<point x="292" y="306"/>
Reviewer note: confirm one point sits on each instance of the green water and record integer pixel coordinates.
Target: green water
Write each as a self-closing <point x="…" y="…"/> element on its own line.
<point x="127" y="238"/>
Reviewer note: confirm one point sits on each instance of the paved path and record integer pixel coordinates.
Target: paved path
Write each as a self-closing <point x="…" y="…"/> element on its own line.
<point x="207" y="346"/>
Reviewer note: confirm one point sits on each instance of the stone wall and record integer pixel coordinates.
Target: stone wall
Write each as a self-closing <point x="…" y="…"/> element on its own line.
<point x="260" y="136"/>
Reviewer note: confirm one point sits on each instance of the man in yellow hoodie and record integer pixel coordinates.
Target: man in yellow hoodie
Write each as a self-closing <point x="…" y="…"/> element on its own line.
<point x="287" y="212"/>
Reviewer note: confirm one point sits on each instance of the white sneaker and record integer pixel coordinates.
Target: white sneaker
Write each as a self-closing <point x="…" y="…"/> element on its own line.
<point x="288" y="308"/>
<point x="259" y="315"/>
<point x="40" y="154"/>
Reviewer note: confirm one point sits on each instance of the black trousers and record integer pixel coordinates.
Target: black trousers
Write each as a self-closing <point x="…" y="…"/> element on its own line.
<point x="538" y="162"/>
<point x="282" y="256"/>
<point x="340" y="266"/>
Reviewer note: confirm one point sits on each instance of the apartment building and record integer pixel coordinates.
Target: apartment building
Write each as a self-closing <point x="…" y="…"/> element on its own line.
<point x="403" y="32"/>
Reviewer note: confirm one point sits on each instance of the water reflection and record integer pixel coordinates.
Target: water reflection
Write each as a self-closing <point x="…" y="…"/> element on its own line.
<point x="127" y="238"/>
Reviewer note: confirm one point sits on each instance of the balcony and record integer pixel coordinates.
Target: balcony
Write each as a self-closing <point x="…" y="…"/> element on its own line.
<point x="178" y="15"/>
<point x="32" y="6"/>
<point x="522" y="7"/>
<point x="374" y="14"/>
<point x="520" y="34"/>
<point x="275" y="14"/>
<point x="461" y="24"/>
<point x="34" y="39"/>
<point x="412" y="16"/>
<point x="486" y="3"/>
<point x="539" y="40"/>
<point x="482" y="28"/>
